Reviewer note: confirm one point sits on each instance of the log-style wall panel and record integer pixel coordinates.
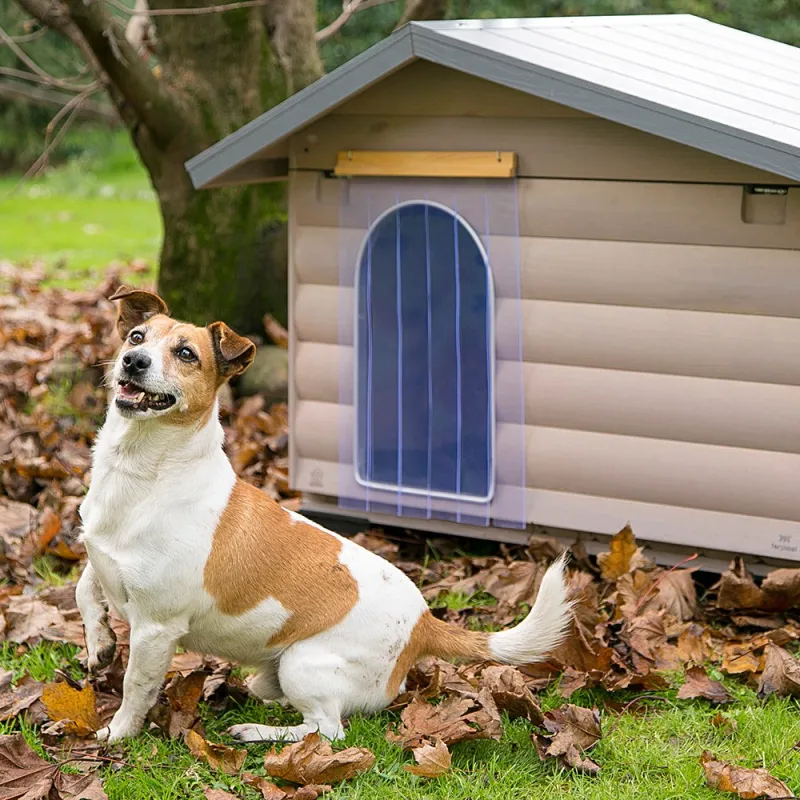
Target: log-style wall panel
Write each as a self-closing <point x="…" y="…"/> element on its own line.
<point x="761" y="416"/>
<point x="696" y="528"/>
<point x="547" y="147"/>
<point x="707" y="345"/>
<point x="744" y="280"/>
<point x="628" y="211"/>
<point x="728" y="479"/>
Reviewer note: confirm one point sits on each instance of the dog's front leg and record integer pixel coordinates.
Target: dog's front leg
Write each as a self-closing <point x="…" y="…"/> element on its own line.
<point x="101" y="641"/>
<point x="152" y="647"/>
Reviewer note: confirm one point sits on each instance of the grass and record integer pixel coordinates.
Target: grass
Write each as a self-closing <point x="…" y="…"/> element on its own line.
<point x="651" y="754"/>
<point x="97" y="208"/>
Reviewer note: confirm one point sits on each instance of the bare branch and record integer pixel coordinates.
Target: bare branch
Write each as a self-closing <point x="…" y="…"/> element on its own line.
<point x="45" y="80"/>
<point x="423" y="10"/>
<point x="70" y="111"/>
<point x="155" y="106"/>
<point x="348" y="9"/>
<point x="14" y="90"/>
<point x="24" y="38"/>
<point x="8" y="40"/>
<point x="54" y="15"/>
<point x="188" y="12"/>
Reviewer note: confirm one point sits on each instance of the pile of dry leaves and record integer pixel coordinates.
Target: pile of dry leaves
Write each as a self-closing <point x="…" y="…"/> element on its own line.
<point x="636" y="625"/>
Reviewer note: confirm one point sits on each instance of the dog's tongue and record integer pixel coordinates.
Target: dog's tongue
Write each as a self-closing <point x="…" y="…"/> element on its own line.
<point x="128" y="390"/>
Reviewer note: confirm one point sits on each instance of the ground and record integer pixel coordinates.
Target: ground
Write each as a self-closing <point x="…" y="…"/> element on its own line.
<point x="81" y="217"/>
<point x="95" y="209"/>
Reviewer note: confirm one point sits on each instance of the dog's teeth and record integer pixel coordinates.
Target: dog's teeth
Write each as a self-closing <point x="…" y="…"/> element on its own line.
<point x="140" y="397"/>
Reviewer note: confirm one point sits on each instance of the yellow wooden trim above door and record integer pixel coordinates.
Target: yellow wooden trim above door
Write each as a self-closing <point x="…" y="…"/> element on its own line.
<point x="427" y="163"/>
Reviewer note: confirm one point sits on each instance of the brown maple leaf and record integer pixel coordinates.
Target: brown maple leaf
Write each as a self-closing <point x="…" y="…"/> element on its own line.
<point x="624" y="556"/>
<point x="456" y="719"/>
<point x="781" y="674"/>
<point x="747" y="783"/>
<point x="24" y="775"/>
<point x="23" y="696"/>
<point x="510" y="693"/>
<point x="737" y="589"/>
<point x="698" y="684"/>
<point x="218" y="756"/>
<point x="179" y="713"/>
<point x="432" y="760"/>
<point x="313" y="761"/>
<point x="574" y="730"/>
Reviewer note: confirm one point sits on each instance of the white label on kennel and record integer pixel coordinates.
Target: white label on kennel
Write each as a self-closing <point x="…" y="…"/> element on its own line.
<point x="421" y="267"/>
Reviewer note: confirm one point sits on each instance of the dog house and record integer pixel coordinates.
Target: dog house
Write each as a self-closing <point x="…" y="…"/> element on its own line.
<point x="544" y="272"/>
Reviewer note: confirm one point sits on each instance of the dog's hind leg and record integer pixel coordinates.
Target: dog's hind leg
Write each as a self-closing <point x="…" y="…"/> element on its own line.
<point x="101" y="641"/>
<point x="264" y="684"/>
<point x="316" y="682"/>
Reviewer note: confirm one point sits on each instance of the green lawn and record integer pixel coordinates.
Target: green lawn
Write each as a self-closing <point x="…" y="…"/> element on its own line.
<point x="652" y="753"/>
<point x="81" y="216"/>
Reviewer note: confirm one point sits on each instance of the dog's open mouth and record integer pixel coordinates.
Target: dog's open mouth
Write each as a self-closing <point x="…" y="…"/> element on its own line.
<point x="133" y="397"/>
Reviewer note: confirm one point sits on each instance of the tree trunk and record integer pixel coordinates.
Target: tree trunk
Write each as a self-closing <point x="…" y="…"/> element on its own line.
<point x="224" y="254"/>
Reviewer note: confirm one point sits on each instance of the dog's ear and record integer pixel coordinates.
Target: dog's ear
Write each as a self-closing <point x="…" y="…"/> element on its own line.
<point x="136" y="306"/>
<point x="234" y="353"/>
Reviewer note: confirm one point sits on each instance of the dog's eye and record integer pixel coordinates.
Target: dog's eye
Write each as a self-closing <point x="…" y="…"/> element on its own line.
<point x="136" y="337"/>
<point x="185" y="354"/>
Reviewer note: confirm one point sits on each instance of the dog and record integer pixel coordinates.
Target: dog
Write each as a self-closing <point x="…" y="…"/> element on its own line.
<point x="191" y="556"/>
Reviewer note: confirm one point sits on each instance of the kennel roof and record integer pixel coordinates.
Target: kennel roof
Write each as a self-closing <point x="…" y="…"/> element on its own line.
<point x="680" y="77"/>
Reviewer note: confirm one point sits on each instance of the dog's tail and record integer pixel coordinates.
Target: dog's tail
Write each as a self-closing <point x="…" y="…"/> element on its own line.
<point x="537" y="635"/>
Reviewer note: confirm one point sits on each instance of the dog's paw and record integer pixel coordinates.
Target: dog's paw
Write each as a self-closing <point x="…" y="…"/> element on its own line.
<point x="104" y="652"/>
<point x="249" y="733"/>
<point x="115" y="733"/>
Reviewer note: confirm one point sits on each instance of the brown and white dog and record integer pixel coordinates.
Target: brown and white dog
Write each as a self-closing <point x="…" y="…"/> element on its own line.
<point x="191" y="556"/>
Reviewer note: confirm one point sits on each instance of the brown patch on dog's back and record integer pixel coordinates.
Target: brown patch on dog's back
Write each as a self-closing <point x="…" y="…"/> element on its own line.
<point x="259" y="551"/>
<point x="432" y="637"/>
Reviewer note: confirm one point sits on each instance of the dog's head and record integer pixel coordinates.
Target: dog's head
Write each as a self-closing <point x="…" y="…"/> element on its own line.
<point x="168" y="368"/>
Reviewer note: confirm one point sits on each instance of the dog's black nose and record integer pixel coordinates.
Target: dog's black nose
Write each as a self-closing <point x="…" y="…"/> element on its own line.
<point x="136" y="361"/>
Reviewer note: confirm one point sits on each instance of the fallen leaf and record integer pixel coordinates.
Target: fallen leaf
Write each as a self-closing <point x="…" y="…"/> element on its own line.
<point x="624" y="556"/>
<point x="432" y="759"/>
<point x="23" y="696"/>
<point x="781" y="674"/>
<point x="737" y="589"/>
<point x="313" y="761"/>
<point x="456" y="719"/>
<point x="217" y="756"/>
<point x="510" y="693"/>
<point x="49" y="528"/>
<point x="720" y="720"/>
<point x="747" y="783"/>
<point x="698" y="684"/>
<point x="24" y="775"/>
<point x="180" y="713"/>
<point x="574" y="731"/>
<point x="76" y="708"/>
<point x="781" y="589"/>
<point x="676" y="594"/>
<point x="219" y="794"/>
<point x="694" y="644"/>
<point x="269" y="790"/>
<point x="29" y="619"/>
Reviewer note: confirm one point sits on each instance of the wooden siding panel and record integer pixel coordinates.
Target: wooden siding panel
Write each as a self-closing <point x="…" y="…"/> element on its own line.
<point x="547" y="147"/>
<point x="728" y="479"/>
<point x="623" y="211"/>
<point x="690" y="277"/>
<point x="701" y="410"/>
<point x="427" y="89"/>
<point x="707" y="345"/>
<point x="698" y="529"/>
